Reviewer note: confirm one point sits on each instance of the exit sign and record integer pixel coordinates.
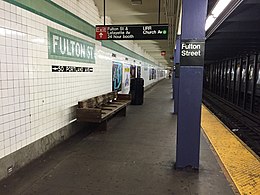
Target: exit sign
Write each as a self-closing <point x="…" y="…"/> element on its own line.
<point x="132" y="32"/>
<point x="163" y="53"/>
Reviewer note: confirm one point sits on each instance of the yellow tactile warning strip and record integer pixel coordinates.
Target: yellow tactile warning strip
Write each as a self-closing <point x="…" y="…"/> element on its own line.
<point x="242" y="166"/>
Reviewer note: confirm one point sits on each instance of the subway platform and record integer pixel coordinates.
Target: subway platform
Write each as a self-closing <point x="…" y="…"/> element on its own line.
<point x="135" y="156"/>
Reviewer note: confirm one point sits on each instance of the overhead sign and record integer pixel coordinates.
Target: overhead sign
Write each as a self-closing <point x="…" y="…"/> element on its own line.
<point x="132" y="32"/>
<point x="192" y="53"/>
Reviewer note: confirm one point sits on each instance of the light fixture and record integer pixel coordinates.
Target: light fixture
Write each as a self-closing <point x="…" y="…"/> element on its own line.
<point x="209" y="22"/>
<point x="220" y="6"/>
<point x="217" y="10"/>
<point x="179" y="26"/>
<point x="136" y="2"/>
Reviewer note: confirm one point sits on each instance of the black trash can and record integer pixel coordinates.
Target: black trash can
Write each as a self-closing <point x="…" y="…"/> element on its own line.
<point x="137" y="91"/>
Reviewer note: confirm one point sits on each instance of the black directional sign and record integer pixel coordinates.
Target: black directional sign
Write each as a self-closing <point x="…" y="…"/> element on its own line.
<point x="57" y="68"/>
<point x="132" y="32"/>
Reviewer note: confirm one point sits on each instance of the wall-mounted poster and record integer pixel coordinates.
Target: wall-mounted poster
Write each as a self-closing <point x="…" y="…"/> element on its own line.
<point x="150" y="73"/>
<point x="132" y="71"/>
<point x="154" y="74"/>
<point x="138" y="71"/>
<point x="117" y="76"/>
<point x="126" y="78"/>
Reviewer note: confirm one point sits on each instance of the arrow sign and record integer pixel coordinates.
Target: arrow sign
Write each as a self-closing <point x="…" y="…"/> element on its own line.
<point x="101" y="33"/>
<point x="55" y="68"/>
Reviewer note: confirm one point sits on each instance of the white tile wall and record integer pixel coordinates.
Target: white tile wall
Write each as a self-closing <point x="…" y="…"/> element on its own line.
<point x="34" y="101"/>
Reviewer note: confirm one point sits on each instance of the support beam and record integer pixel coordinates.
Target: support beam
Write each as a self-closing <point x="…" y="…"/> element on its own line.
<point x="190" y="84"/>
<point x="176" y="74"/>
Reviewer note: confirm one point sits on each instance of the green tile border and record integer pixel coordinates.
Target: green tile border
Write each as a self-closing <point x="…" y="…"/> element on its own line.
<point x="54" y="12"/>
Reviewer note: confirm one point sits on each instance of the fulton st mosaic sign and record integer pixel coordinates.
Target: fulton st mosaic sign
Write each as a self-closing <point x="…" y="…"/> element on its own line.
<point x="132" y="32"/>
<point x="63" y="46"/>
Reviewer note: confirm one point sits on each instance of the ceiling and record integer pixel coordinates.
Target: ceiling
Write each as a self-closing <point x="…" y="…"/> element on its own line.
<point x="123" y="12"/>
<point x="235" y="33"/>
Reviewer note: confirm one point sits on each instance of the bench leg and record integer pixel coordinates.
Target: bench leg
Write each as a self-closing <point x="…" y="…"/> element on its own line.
<point x="122" y="112"/>
<point x="102" y="126"/>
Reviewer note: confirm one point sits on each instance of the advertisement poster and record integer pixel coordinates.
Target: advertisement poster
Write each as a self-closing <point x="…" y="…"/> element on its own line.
<point x="117" y="76"/>
<point x="126" y="78"/>
<point x="154" y="74"/>
<point x="138" y="71"/>
<point x="150" y="73"/>
<point x="132" y="71"/>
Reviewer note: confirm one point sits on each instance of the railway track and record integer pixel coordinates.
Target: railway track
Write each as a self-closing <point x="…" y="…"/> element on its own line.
<point x="244" y="124"/>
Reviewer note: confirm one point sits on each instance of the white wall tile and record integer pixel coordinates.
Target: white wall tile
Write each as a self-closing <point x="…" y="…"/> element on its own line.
<point x="34" y="101"/>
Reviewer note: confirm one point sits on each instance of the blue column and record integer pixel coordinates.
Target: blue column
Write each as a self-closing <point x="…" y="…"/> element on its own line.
<point x="190" y="83"/>
<point x="173" y="75"/>
<point x="176" y="75"/>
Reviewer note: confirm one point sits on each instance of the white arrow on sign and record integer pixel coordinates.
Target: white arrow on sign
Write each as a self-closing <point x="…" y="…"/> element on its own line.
<point x="55" y="68"/>
<point x="101" y="35"/>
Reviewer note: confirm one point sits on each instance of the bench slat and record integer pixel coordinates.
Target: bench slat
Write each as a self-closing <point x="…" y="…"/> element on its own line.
<point x="108" y="114"/>
<point x="105" y="108"/>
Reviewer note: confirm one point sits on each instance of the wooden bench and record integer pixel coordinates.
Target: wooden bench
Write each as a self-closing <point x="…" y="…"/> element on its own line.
<point x="101" y="108"/>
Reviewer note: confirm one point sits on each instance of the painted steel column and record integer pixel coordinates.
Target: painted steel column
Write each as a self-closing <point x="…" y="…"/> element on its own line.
<point x="190" y="85"/>
<point x="177" y="74"/>
<point x="172" y="78"/>
<point x="173" y="75"/>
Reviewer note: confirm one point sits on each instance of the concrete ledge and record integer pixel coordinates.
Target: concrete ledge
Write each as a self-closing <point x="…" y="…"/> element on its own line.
<point x="14" y="161"/>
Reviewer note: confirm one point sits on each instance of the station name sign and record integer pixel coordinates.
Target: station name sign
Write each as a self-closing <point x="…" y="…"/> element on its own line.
<point x="132" y="32"/>
<point x="192" y="52"/>
<point x="64" y="46"/>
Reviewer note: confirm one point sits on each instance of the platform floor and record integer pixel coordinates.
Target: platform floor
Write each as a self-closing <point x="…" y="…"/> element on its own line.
<point x="135" y="156"/>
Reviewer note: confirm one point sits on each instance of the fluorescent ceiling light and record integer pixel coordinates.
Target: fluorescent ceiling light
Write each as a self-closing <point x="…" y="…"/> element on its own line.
<point x="209" y="22"/>
<point x="217" y="10"/>
<point x="180" y="21"/>
<point x="221" y="5"/>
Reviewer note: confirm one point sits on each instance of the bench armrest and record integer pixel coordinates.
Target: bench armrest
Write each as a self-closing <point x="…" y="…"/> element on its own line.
<point x="89" y="114"/>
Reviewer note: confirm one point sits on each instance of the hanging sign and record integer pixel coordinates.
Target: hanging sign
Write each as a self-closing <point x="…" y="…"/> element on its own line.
<point x="132" y="32"/>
